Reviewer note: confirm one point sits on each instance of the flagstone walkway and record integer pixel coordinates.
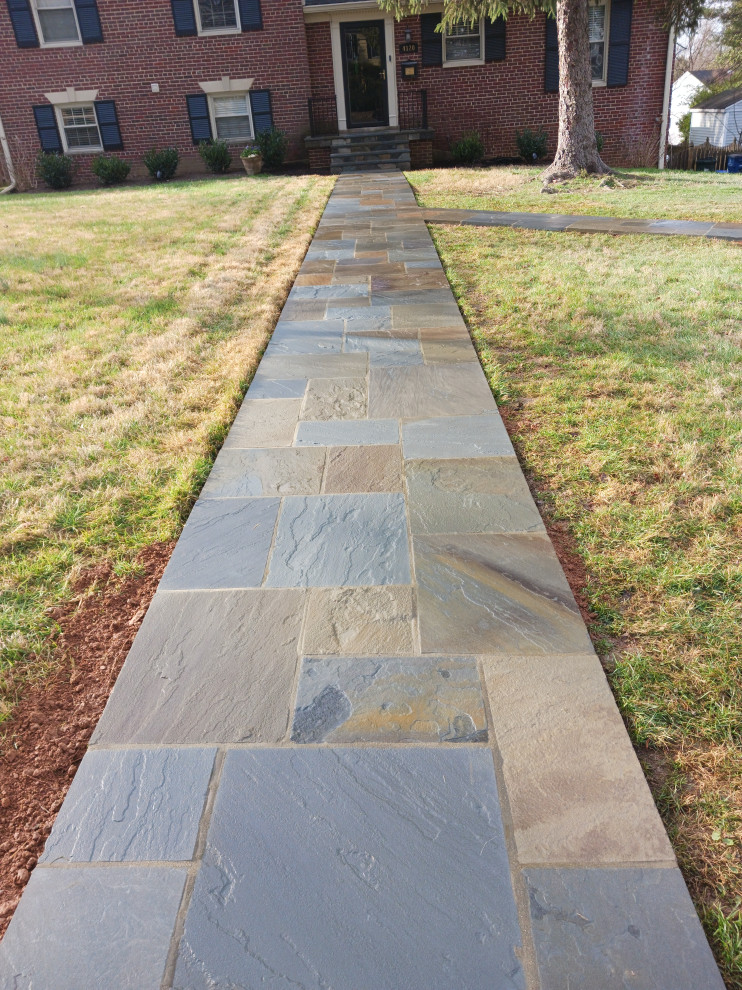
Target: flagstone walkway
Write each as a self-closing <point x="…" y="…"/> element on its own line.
<point x="583" y="224"/>
<point x="362" y="741"/>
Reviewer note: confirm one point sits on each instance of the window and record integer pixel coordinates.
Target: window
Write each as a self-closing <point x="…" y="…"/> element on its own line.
<point x="79" y="127"/>
<point x="463" y="43"/>
<point x="57" y="22"/>
<point x="232" y="118"/>
<point x="217" y="15"/>
<point x="597" y="27"/>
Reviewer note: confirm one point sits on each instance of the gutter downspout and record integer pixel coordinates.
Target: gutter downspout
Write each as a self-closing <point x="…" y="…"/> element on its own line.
<point x="666" y="97"/>
<point x="8" y="159"/>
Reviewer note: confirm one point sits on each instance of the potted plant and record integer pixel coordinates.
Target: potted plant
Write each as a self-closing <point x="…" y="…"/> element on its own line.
<point x="251" y="159"/>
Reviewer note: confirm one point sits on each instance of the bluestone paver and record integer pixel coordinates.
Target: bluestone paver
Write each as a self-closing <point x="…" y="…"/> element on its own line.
<point x="354" y="868"/>
<point x="132" y="804"/>
<point x="363" y="714"/>
<point x="457" y="436"/>
<point x="368" y="545"/>
<point x="88" y="929"/>
<point x="616" y="929"/>
<point x="224" y="544"/>
<point x="208" y="667"/>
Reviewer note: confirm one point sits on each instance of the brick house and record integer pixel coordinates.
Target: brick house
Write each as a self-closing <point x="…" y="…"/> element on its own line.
<point x="84" y="76"/>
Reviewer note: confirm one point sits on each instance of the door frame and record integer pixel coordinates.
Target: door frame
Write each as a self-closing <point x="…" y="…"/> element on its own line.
<point x="336" y="20"/>
<point x="345" y="28"/>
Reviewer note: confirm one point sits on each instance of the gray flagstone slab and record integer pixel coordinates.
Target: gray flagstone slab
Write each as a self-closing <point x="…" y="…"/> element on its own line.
<point x="85" y="928"/>
<point x="370" y="868"/>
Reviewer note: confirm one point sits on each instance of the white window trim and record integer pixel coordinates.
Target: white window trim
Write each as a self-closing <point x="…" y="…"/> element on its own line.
<point x="598" y="83"/>
<point x="58" y="108"/>
<point x="212" y="116"/>
<point x="211" y="32"/>
<point x="55" y="44"/>
<point x="462" y="63"/>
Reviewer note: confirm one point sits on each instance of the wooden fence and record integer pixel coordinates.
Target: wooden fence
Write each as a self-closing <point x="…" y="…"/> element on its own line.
<point x="686" y="155"/>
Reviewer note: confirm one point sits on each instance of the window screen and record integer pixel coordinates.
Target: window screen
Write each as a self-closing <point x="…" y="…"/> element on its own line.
<point x="232" y="118"/>
<point x="80" y="127"/>
<point x="57" y="21"/>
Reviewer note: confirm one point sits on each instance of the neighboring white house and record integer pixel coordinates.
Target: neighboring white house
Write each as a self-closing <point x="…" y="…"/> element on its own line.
<point x="718" y="119"/>
<point x="684" y="89"/>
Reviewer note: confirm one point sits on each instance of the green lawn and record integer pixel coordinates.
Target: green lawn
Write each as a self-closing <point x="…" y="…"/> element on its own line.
<point x="131" y="321"/>
<point x="618" y="366"/>
<point x="637" y="193"/>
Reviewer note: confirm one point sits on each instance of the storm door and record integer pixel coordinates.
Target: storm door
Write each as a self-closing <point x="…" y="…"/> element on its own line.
<point x="364" y="74"/>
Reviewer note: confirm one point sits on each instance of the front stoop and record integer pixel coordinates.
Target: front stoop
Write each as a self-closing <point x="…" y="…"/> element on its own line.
<point x="370" y="150"/>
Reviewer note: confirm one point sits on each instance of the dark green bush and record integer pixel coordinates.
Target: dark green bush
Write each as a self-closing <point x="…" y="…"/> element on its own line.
<point x="273" y="145"/>
<point x="111" y="171"/>
<point x="469" y="149"/>
<point x="531" y="144"/>
<point x="162" y="165"/>
<point x="215" y="155"/>
<point x="599" y="140"/>
<point x="684" y="126"/>
<point x="54" y="169"/>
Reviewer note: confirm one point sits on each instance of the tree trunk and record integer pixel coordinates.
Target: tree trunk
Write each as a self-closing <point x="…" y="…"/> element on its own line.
<point x="577" y="149"/>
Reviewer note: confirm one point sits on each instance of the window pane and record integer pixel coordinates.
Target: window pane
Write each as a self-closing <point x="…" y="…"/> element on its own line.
<point x="230" y="106"/>
<point x="58" y="24"/>
<point x="233" y="128"/>
<point x="597" y="49"/>
<point x="80" y="127"/>
<point x="217" y="14"/>
<point x="596" y="21"/>
<point x="462" y="48"/>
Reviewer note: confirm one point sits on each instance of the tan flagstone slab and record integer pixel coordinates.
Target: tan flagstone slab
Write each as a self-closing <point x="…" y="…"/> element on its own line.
<point x="335" y="398"/>
<point x="424" y="391"/>
<point x="577" y="792"/>
<point x="363" y="621"/>
<point x="376" y="468"/>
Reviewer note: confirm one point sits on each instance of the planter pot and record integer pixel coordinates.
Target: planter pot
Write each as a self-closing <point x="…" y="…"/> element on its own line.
<point x="252" y="165"/>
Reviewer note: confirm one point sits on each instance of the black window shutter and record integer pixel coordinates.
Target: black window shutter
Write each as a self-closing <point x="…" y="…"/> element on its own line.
<point x="46" y="124"/>
<point x="23" y="24"/>
<point x="108" y="124"/>
<point x="184" y="17"/>
<point x="432" y="39"/>
<point x="551" y="68"/>
<point x="494" y="40"/>
<point x="89" y="21"/>
<point x="198" y="111"/>
<point x="251" y="17"/>
<point x="619" y="41"/>
<point x="262" y="113"/>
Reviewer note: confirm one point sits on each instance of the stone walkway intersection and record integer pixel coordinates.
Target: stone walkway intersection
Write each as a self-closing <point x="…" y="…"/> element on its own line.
<point x="361" y="741"/>
<point x="583" y="224"/>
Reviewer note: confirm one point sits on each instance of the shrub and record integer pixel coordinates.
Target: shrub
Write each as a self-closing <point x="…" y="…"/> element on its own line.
<point x="599" y="140"/>
<point x="162" y="165"/>
<point x="273" y="145"/>
<point x="531" y="144"/>
<point x="54" y="169"/>
<point x="215" y="155"/>
<point x="111" y="171"/>
<point x="469" y="149"/>
<point x="684" y="126"/>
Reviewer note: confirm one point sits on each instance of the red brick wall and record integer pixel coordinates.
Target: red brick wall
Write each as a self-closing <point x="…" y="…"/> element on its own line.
<point x="501" y="97"/>
<point x="139" y="48"/>
<point x="319" y="48"/>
